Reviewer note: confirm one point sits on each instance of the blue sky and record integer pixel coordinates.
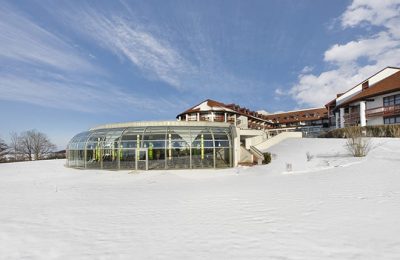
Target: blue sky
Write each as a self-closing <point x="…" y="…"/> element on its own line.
<point x="66" y="66"/>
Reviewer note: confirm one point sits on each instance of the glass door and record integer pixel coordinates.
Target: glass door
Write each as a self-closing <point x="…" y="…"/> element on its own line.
<point x="142" y="159"/>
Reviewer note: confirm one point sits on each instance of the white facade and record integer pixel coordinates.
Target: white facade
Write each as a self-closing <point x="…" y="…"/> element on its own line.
<point x="378" y="103"/>
<point x="371" y="81"/>
<point x="362" y="112"/>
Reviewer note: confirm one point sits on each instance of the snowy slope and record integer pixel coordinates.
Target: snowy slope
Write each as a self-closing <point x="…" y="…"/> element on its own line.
<point x="331" y="207"/>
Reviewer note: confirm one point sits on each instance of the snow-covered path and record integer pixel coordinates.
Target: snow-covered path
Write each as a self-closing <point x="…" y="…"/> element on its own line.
<point x="331" y="207"/>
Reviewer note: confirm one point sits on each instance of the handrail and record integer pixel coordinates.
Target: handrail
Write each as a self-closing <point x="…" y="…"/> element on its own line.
<point x="256" y="152"/>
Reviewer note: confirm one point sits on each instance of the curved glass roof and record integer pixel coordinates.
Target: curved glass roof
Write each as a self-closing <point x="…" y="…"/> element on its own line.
<point x="163" y="147"/>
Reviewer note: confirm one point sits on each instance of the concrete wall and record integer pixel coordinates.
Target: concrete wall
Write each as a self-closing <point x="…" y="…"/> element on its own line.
<point x="252" y="141"/>
<point x="243" y="122"/>
<point x="245" y="156"/>
<point x="277" y="139"/>
<point x="375" y="121"/>
<point x="250" y="132"/>
<point x="236" y="145"/>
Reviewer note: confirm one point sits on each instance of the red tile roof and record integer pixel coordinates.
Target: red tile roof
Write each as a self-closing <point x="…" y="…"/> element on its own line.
<point x="210" y="103"/>
<point x="299" y="115"/>
<point x="385" y="86"/>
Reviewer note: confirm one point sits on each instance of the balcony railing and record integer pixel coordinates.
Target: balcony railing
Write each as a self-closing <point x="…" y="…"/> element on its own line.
<point x="352" y="119"/>
<point x="219" y="118"/>
<point x="383" y="111"/>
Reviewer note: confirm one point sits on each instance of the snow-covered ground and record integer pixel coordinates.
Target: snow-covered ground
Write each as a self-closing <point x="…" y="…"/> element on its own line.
<point x="331" y="207"/>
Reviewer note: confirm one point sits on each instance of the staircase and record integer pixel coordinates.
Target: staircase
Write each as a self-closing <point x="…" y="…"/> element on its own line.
<point x="257" y="154"/>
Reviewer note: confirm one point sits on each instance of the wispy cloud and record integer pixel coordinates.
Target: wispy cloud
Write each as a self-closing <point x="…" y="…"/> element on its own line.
<point x="40" y="68"/>
<point x="22" y="40"/>
<point x="153" y="56"/>
<point x="357" y="59"/>
<point x="186" y="61"/>
<point x="55" y="91"/>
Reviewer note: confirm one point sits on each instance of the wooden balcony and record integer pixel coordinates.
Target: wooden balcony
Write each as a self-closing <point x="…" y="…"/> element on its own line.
<point x="352" y="119"/>
<point x="219" y="118"/>
<point x="383" y="111"/>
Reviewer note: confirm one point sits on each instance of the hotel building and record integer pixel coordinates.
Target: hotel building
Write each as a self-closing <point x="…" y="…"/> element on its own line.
<point x="374" y="101"/>
<point x="214" y="111"/>
<point x="217" y="135"/>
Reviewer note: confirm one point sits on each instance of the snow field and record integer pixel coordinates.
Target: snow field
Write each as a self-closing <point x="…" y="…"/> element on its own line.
<point x="331" y="207"/>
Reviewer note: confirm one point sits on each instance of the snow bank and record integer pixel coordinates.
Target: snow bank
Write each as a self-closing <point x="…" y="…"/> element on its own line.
<point x="330" y="207"/>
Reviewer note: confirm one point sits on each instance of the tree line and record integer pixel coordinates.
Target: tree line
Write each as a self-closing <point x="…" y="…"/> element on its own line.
<point x="29" y="145"/>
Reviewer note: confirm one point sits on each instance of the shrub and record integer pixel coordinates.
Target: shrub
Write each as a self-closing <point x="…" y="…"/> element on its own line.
<point x="370" y="131"/>
<point x="267" y="158"/>
<point x="335" y="133"/>
<point x="357" y="145"/>
<point x="393" y="130"/>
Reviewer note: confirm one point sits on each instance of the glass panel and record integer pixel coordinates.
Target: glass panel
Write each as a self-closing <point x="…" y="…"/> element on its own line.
<point x="219" y="143"/>
<point x="142" y="156"/>
<point x="93" y="156"/>
<point x="202" y="158"/>
<point x="205" y="142"/>
<point x="133" y="137"/>
<point x="142" y="160"/>
<point x="220" y="137"/>
<point x="222" y="157"/>
<point x="128" y="144"/>
<point x="178" y="152"/>
<point x="180" y="158"/>
<point x="127" y="158"/>
<point x="156" y="158"/>
<point x="157" y="144"/>
<point x="155" y="133"/>
<point x="80" y="158"/>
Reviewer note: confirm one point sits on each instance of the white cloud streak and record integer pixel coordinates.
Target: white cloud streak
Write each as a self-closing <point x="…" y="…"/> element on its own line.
<point x="357" y="59"/>
<point x="21" y="40"/>
<point x="55" y="92"/>
<point x="153" y="56"/>
<point x="155" y="53"/>
<point x="38" y="67"/>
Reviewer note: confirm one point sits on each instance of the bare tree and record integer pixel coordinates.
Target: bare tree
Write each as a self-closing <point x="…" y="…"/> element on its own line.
<point x="25" y="145"/>
<point x="41" y="145"/>
<point x="3" y="150"/>
<point x="34" y="144"/>
<point x="15" y="146"/>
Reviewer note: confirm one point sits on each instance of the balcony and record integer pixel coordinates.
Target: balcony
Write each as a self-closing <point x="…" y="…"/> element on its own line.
<point x="218" y="118"/>
<point x="383" y="111"/>
<point x="352" y="119"/>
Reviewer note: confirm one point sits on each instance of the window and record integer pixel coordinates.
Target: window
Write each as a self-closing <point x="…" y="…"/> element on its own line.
<point x="391" y="120"/>
<point x="391" y="100"/>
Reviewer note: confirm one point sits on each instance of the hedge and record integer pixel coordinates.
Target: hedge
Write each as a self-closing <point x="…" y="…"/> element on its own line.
<point x="368" y="131"/>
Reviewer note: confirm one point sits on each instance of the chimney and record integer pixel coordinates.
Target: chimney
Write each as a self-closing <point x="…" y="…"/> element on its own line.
<point x="365" y="85"/>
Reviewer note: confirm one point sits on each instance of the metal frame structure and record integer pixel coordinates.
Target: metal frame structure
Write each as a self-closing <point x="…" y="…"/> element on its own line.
<point x="165" y="146"/>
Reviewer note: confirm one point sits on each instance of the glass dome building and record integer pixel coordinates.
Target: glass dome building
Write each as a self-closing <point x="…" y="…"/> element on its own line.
<point x="153" y="145"/>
